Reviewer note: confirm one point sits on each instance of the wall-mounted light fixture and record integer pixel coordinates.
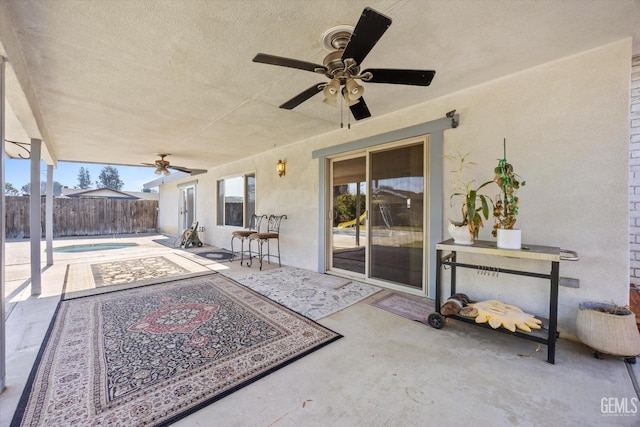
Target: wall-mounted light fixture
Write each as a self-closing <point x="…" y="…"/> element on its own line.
<point x="452" y="115"/>
<point x="280" y="168"/>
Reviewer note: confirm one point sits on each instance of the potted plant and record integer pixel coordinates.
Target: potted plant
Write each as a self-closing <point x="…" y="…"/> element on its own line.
<point x="505" y="208"/>
<point x="608" y="328"/>
<point x="474" y="205"/>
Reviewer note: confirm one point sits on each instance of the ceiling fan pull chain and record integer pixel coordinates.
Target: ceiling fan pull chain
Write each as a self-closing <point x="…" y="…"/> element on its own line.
<point x="341" y="113"/>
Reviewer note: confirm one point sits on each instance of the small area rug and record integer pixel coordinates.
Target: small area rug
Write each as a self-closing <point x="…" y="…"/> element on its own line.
<point x="86" y="279"/>
<point x="151" y="355"/>
<point x="409" y="307"/>
<point x="219" y="255"/>
<point x="311" y="294"/>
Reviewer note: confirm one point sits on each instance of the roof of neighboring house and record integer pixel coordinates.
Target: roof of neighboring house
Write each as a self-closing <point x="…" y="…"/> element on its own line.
<point x="108" y="193"/>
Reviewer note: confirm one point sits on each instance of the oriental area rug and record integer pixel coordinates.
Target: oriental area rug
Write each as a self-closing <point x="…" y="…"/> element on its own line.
<point x="151" y="355"/>
<point x="311" y="294"/>
<point x="87" y="279"/>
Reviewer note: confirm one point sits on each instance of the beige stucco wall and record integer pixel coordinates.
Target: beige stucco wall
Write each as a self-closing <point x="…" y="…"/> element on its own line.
<point x="567" y="131"/>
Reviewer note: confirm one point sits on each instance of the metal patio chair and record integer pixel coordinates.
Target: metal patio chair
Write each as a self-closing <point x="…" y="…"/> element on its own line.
<point x="273" y="233"/>
<point x="254" y="227"/>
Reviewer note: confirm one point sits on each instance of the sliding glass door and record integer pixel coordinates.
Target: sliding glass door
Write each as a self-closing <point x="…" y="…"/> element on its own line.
<point x="397" y="214"/>
<point x="378" y="213"/>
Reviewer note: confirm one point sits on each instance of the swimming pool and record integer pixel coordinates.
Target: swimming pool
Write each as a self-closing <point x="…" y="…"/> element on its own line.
<point x="93" y="247"/>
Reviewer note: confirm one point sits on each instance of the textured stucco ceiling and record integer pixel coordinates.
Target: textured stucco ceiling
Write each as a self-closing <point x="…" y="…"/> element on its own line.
<point x="118" y="81"/>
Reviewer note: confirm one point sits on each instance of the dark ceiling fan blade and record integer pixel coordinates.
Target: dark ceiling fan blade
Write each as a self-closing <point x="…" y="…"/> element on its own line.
<point x="400" y="77"/>
<point x="303" y="96"/>
<point x="148" y="164"/>
<point x="360" y="110"/>
<point x="198" y="171"/>
<point x="370" y="27"/>
<point x="179" y="168"/>
<point x="263" y="58"/>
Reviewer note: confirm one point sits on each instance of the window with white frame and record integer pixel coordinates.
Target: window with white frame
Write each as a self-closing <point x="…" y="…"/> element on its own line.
<point x="236" y="200"/>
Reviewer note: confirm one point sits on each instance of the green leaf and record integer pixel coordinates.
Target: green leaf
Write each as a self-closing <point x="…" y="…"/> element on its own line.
<point x="471" y="204"/>
<point x="485" y="207"/>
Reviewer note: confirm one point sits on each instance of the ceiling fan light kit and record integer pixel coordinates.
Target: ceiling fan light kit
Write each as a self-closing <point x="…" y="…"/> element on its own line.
<point x="162" y="166"/>
<point x="348" y="99"/>
<point x="330" y="92"/>
<point x="161" y="171"/>
<point x="348" y="46"/>
<point x="354" y="90"/>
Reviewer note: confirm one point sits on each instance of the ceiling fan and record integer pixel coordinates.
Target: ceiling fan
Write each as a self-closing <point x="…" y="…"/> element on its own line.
<point x="348" y="47"/>
<point x="162" y="166"/>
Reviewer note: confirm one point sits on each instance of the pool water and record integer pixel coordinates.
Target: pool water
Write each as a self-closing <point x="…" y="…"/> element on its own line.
<point x="94" y="247"/>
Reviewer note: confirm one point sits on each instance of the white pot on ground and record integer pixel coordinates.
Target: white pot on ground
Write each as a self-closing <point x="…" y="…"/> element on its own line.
<point x="509" y="239"/>
<point x="461" y="234"/>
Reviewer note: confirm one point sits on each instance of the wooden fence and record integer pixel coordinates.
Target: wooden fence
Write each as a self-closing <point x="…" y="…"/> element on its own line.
<point x="84" y="217"/>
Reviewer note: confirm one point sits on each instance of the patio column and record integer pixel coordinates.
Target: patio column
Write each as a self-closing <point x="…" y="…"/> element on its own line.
<point x="48" y="215"/>
<point x="35" y="230"/>
<point x="2" y="231"/>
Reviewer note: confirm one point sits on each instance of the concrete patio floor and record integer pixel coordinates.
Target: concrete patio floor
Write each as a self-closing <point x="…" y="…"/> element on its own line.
<point x="386" y="371"/>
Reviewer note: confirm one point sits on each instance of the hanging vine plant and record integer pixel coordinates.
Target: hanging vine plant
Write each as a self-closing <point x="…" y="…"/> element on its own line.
<point x="505" y="208"/>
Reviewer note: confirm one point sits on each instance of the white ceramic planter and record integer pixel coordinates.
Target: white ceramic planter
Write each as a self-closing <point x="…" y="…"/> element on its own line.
<point x="461" y="235"/>
<point x="509" y="239"/>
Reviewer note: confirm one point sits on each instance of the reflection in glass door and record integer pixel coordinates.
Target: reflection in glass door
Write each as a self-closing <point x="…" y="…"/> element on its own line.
<point x="397" y="215"/>
<point x="348" y="222"/>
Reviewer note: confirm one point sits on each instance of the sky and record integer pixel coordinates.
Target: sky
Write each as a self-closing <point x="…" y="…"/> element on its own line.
<point x="17" y="172"/>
